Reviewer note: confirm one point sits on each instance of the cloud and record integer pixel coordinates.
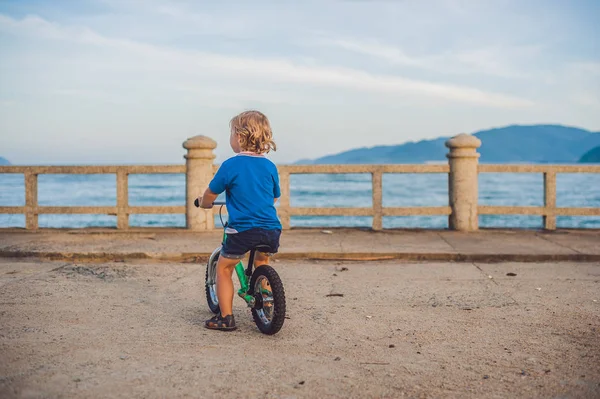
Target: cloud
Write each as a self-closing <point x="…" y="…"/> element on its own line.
<point x="586" y="99"/>
<point x="373" y="48"/>
<point x="236" y="97"/>
<point x="592" y="68"/>
<point x="7" y="103"/>
<point x="96" y="95"/>
<point x="215" y="25"/>
<point x="271" y="69"/>
<point x="491" y="60"/>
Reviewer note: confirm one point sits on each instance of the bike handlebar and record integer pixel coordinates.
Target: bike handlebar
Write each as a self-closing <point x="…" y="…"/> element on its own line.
<point x="197" y="203"/>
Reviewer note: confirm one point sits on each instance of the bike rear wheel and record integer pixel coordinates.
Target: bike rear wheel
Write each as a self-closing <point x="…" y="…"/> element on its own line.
<point x="269" y="309"/>
<point x="210" y="284"/>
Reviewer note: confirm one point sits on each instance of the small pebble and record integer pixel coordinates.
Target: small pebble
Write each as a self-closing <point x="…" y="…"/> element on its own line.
<point x="490" y="277"/>
<point x="392" y="346"/>
<point x="485" y="377"/>
<point x="301" y="383"/>
<point x="326" y="231"/>
<point x="368" y="317"/>
<point x="539" y="289"/>
<point x="337" y="359"/>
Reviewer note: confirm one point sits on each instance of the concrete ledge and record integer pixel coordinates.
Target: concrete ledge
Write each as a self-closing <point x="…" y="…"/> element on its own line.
<point x="190" y="257"/>
<point x="306" y="244"/>
<point x="293" y="230"/>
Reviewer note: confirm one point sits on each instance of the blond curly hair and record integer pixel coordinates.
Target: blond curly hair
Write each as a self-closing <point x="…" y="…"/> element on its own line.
<point x="254" y="131"/>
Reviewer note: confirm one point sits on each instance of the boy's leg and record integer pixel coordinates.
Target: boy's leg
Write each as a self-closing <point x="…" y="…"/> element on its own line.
<point x="270" y="238"/>
<point x="225" y="292"/>
<point x="260" y="259"/>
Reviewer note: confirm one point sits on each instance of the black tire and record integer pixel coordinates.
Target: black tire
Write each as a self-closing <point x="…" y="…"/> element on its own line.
<point x="277" y="313"/>
<point x="211" y="293"/>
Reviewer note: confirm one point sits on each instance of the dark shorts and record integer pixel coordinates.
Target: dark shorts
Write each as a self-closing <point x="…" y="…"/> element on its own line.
<point x="238" y="244"/>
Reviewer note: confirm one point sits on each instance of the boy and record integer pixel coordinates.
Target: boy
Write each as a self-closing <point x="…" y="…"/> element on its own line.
<point x="252" y="188"/>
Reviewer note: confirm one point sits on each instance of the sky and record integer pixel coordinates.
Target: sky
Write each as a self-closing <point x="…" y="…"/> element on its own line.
<point x="127" y="81"/>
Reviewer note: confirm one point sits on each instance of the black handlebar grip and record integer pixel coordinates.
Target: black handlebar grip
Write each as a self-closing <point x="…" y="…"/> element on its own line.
<point x="197" y="203"/>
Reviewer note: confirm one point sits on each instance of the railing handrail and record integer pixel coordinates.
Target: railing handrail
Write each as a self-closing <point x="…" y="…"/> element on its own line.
<point x="364" y="168"/>
<point x="303" y="169"/>
<point x="537" y="168"/>
<point x="93" y="169"/>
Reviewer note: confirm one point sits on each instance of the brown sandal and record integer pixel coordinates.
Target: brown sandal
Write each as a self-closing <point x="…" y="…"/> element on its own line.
<point x="219" y="322"/>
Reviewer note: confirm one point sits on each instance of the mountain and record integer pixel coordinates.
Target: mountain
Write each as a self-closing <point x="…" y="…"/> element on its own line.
<point x="516" y="143"/>
<point x="4" y="161"/>
<point x="592" y="156"/>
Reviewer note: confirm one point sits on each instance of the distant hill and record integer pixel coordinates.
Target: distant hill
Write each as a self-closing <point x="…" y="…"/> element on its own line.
<point x="592" y="156"/>
<point x="516" y="143"/>
<point x="4" y="161"/>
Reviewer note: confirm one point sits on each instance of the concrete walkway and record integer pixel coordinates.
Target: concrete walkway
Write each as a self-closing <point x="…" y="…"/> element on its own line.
<point x="335" y="244"/>
<point x="352" y="330"/>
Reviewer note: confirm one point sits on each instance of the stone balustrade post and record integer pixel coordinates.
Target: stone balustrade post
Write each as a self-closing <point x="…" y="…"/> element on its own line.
<point x="463" y="182"/>
<point x="31" y="201"/>
<point x="199" y="172"/>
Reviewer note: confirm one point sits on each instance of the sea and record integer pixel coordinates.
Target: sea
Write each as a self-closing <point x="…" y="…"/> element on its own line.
<point x="319" y="190"/>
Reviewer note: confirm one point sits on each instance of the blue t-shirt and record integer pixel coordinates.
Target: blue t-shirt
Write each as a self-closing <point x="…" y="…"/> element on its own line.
<point x="251" y="184"/>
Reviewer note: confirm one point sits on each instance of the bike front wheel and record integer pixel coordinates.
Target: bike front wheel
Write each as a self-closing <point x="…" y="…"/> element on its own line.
<point x="210" y="283"/>
<point x="269" y="308"/>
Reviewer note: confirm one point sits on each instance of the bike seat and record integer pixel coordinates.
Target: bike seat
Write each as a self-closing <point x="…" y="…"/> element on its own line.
<point x="263" y="248"/>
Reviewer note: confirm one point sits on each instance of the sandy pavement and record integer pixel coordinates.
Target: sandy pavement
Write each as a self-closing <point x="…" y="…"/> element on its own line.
<point x="135" y="330"/>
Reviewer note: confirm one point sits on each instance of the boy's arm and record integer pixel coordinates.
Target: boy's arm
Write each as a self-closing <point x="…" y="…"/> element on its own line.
<point x="207" y="199"/>
<point x="276" y="188"/>
<point x="216" y="186"/>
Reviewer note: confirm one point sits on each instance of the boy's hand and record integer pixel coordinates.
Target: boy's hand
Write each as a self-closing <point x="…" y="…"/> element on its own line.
<point x="206" y="200"/>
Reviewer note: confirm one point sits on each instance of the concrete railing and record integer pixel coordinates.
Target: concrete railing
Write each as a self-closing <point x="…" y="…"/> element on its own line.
<point x="377" y="211"/>
<point x="463" y="171"/>
<point x="122" y="210"/>
<point x="549" y="211"/>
